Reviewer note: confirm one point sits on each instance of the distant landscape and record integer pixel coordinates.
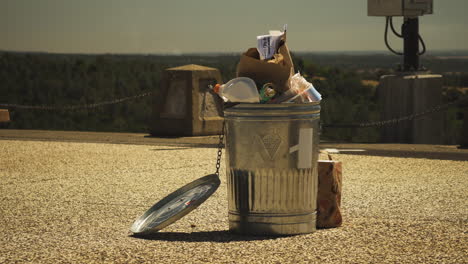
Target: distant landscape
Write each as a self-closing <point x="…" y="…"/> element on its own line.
<point x="347" y="81"/>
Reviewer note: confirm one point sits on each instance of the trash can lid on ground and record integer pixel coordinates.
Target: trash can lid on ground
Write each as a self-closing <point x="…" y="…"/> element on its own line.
<point x="176" y="205"/>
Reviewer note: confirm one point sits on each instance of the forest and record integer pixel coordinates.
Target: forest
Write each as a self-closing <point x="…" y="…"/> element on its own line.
<point x="347" y="83"/>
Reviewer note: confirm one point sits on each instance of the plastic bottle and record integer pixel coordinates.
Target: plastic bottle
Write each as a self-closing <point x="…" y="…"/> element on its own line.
<point x="238" y="90"/>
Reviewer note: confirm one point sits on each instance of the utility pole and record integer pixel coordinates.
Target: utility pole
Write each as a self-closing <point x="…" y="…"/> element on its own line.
<point x="410" y="32"/>
<point x="412" y="89"/>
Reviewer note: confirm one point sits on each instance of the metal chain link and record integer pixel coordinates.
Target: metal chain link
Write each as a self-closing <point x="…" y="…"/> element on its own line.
<point x="398" y="119"/>
<point x="220" y="148"/>
<point x="124" y="99"/>
<point x="75" y="107"/>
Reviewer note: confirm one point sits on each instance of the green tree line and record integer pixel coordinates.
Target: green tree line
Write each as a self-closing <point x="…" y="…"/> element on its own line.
<point x="71" y="79"/>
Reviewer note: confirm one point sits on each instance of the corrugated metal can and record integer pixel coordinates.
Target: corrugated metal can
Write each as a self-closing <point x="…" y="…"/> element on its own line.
<point x="271" y="163"/>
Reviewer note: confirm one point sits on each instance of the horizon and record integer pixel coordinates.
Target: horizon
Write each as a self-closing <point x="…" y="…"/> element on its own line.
<point x="446" y="52"/>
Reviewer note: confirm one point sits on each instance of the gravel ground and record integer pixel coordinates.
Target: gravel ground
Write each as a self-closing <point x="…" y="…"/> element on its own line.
<point x="74" y="202"/>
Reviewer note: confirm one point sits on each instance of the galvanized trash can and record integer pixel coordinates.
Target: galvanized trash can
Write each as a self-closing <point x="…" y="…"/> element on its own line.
<point x="271" y="168"/>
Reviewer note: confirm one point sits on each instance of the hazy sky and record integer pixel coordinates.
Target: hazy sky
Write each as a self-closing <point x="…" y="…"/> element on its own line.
<point x="176" y="26"/>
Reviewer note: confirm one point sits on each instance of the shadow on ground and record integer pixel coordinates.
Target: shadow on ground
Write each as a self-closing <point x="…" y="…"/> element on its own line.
<point x="203" y="236"/>
<point x="164" y="149"/>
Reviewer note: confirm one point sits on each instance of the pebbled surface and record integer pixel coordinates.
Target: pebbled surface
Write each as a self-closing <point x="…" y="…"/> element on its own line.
<point x="70" y="202"/>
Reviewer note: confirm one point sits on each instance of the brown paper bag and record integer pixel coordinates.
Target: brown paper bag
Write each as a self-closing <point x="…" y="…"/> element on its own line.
<point x="329" y="194"/>
<point x="276" y="71"/>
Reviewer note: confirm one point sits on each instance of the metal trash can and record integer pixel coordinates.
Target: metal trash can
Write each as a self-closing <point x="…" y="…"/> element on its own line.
<point x="271" y="168"/>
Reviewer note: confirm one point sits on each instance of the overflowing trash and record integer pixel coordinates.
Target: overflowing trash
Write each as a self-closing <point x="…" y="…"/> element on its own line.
<point x="265" y="75"/>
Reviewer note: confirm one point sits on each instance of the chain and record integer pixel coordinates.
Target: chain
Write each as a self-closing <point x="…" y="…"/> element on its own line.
<point x="220" y="149"/>
<point x="124" y="99"/>
<point x="398" y="119"/>
<point x="75" y="107"/>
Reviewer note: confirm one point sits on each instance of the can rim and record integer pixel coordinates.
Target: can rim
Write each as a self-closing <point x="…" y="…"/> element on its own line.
<point x="273" y="110"/>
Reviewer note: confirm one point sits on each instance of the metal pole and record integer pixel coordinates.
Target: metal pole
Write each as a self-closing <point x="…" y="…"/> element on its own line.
<point x="410" y="30"/>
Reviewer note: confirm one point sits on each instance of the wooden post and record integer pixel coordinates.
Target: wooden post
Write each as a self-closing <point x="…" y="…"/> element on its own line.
<point x="464" y="134"/>
<point x="4" y="117"/>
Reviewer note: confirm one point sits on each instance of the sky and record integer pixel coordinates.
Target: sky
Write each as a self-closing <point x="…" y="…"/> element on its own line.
<point x="191" y="26"/>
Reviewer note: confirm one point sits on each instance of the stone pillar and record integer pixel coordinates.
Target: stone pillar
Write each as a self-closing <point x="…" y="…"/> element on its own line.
<point x="184" y="106"/>
<point x="403" y="95"/>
